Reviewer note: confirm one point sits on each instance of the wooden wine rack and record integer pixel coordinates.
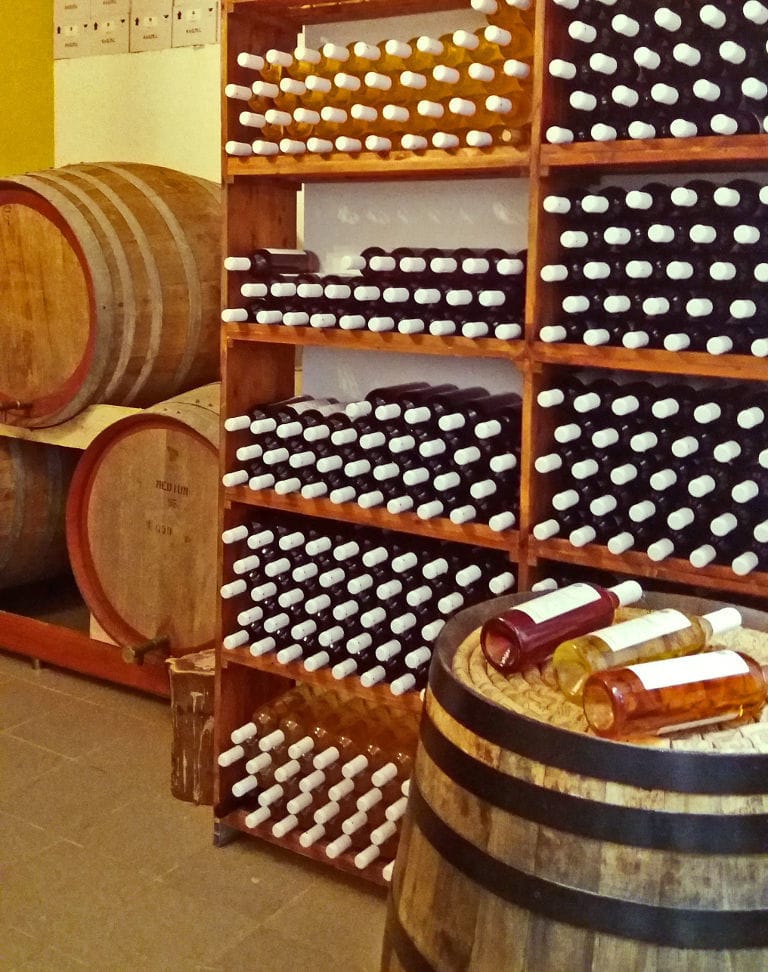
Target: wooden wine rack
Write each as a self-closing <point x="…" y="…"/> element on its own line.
<point x="258" y="362"/>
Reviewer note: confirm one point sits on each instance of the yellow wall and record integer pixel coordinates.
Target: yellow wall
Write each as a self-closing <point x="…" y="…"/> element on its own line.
<point x="26" y="87"/>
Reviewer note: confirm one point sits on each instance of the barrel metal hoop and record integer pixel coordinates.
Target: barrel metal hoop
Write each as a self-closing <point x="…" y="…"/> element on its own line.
<point x="650" y="769"/>
<point x="686" y="928"/>
<point x="697" y="833"/>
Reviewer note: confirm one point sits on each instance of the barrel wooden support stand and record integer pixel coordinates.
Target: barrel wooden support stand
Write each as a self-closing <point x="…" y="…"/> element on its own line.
<point x="192" y="691"/>
<point x="76" y="651"/>
<point x="531" y="846"/>
<point x="66" y="647"/>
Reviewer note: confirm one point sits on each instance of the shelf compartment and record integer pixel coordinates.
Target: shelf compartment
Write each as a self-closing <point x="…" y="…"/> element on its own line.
<point x="497" y="162"/>
<point x="236" y="820"/>
<point x="409" y="702"/>
<point x="712" y="152"/>
<point x="329" y="11"/>
<point x="369" y="341"/>
<point x="438" y="529"/>
<point x="716" y="577"/>
<point x="738" y="366"/>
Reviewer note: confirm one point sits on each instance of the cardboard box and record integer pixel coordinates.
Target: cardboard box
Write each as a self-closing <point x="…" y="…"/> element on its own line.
<point x="195" y="22"/>
<point x="150" y="27"/>
<point x="110" y="10"/>
<point x="72" y="39"/>
<point x="72" y="12"/>
<point x="110" y="35"/>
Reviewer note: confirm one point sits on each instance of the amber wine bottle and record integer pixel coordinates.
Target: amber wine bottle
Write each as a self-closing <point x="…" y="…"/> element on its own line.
<point x="659" y="634"/>
<point x="674" y="694"/>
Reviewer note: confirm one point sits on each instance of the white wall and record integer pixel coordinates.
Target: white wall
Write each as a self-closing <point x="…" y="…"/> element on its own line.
<point x="160" y="107"/>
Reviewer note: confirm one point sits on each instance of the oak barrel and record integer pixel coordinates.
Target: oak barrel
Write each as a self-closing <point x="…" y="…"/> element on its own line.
<point x="34" y="478"/>
<point x="110" y="278"/>
<point x="530" y="845"/>
<point x="142" y="524"/>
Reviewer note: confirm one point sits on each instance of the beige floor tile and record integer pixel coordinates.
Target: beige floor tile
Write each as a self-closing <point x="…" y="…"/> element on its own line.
<point x="18" y="948"/>
<point x="156" y="932"/>
<point x="22" y="701"/>
<point x="14" y="666"/>
<point x="151" y="832"/>
<point x="342" y="915"/>
<point x="21" y="840"/>
<point x="22" y="762"/>
<point x="244" y="875"/>
<point x="51" y="960"/>
<point x="74" y="726"/>
<point x="141" y="759"/>
<point x="67" y="800"/>
<point x="272" y="951"/>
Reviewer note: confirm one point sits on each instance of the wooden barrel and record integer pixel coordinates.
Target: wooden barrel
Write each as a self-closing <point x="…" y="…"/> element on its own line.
<point x="34" y="479"/>
<point x="535" y="847"/>
<point x="110" y="279"/>
<point x="142" y="524"/>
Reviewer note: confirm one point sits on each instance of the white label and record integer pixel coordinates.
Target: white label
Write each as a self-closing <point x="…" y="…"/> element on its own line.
<point x="682" y="726"/>
<point x="554" y="604"/>
<point x="638" y="630"/>
<point x="691" y="668"/>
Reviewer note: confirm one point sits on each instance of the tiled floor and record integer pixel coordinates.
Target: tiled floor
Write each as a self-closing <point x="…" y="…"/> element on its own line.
<point x="101" y="868"/>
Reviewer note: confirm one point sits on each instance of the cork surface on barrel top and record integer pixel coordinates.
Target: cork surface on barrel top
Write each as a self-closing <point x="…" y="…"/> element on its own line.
<point x="534" y="693"/>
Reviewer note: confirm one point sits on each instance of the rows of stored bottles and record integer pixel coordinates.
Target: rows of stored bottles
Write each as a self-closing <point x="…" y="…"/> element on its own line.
<point x="670" y="70"/>
<point x="474" y="293"/>
<point x="327" y="770"/>
<point x="358" y="602"/>
<point x="434" y="450"/>
<point x="462" y="88"/>
<point x="671" y="266"/>
<point x="661" y="671"/>
<point x="657" y="467"/>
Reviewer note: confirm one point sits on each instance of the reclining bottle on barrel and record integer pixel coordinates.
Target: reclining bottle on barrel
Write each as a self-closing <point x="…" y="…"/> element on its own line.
<point x="675" y="694"/>
<point x="529" y="632"/>
<point x="660" y="634"/>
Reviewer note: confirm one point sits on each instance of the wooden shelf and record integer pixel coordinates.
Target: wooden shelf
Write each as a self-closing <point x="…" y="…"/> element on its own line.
<point x="739" y="366"/>
<point x="77" y="432"/>
<point x="438" y="529"/>
<point x="409" y="702"/>
<point x="236" y="820"/>
<point x="713" y="152"/>
<point x="328" y="11"/>
<point x="715" y="577"/>
<point x="385" y="166"/>
<point x="369" y="341"/>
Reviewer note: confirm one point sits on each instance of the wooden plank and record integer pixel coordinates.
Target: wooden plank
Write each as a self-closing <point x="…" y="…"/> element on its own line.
<point x="398" y="164"/>
<point x="739" y="366"/>
<point x="77" y="432"/>
<point x="345" y="862"/>
<point x="477" y="535"/>
<point x="74" y="650"/>
<point x="369" y="341"/>
<point x="409" y="702"/>
<point x="714" y="576"/>
<point x="328" y="11"/>
<point x="711" y="152"/>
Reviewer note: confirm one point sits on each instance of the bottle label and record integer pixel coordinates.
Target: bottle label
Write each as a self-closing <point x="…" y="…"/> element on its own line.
<point x="559" y="602"/>
<point x="691" y="668"/>
<point x="635" y="632"/>
<point x="682" y="726"/>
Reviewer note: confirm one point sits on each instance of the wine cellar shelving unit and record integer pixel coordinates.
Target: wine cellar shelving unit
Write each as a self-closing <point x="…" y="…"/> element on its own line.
<point x="258" y="362"/>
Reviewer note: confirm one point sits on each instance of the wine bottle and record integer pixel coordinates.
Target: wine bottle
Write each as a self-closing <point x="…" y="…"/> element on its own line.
<point x="668" y="633"/>
<point x="529" y="632"/>
<point x="674" y="694"/>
